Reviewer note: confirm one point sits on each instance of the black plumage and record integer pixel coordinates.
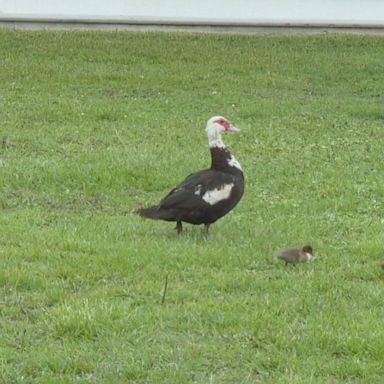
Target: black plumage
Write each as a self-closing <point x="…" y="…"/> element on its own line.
<point x="205" y="196"/>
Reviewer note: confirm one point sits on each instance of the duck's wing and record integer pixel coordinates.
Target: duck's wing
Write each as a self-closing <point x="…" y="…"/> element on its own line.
<point x="204" y="187"/>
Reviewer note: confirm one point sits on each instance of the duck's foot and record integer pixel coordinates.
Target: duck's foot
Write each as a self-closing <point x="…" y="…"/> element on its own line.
<point x="205" y="230"/>
<point x="179" y="227"/>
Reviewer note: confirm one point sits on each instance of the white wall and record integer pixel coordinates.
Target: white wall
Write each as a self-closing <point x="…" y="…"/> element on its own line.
<point x="349" y="12"/>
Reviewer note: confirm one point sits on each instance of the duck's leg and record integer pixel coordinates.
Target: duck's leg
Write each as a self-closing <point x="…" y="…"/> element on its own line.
<point x="179" y="227"/>
<point x="206" y="228"/>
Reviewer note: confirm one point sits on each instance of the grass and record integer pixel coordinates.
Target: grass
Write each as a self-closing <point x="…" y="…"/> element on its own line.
<point x="97" y="124"/>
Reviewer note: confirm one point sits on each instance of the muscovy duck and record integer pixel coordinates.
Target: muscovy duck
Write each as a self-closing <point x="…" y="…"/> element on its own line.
<point x="294" y="255"/>
<point x="205" y="196"/>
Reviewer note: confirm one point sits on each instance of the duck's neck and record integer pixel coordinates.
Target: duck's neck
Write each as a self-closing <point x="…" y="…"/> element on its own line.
<point x="223" y="160"/>
<point x="214" y="140"/>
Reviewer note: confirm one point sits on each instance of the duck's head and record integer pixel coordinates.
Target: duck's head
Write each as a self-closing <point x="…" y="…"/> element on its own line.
<point x="308" y="249"/>
<point x="216" y="125"/>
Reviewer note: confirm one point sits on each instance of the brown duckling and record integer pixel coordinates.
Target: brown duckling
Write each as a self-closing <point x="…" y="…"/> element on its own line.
<point x="294" y="255"/>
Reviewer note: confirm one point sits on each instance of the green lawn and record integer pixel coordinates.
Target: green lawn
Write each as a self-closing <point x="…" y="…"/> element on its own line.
<point x="94" y="125"/>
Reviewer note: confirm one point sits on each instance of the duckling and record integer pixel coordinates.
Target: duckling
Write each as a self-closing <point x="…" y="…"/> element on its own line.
<point x="294" y="255"/>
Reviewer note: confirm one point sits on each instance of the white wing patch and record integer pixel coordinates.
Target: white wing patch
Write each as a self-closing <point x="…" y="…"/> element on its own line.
<point x="218" y="194"/>
<point x="232" y="162"/>
<point x="198" y="190"/>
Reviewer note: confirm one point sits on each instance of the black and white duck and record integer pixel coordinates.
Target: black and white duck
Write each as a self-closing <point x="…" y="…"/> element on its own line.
<point x="205" y="196"/>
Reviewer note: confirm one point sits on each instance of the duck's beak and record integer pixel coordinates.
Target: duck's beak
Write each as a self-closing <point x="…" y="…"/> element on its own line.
<point x="233" y="129"/>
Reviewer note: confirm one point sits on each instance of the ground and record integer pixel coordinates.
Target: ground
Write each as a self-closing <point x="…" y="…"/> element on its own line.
<point x="96" y="124"/>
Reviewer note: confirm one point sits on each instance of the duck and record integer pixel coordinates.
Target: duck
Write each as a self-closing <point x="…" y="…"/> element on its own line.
<point x="204" y="197"/>
<point x="294" y="255"/>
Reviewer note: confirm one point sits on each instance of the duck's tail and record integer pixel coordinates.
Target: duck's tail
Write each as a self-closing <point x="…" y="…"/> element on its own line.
<point x="149" y="212"/>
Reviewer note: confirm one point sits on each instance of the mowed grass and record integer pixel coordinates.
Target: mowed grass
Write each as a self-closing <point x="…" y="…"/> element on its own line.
<point x="94" y="125"/>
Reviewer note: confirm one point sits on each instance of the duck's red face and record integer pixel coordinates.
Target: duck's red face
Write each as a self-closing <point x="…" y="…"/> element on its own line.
<point x="225" y="125"/>
<point x="223" y="122"/>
